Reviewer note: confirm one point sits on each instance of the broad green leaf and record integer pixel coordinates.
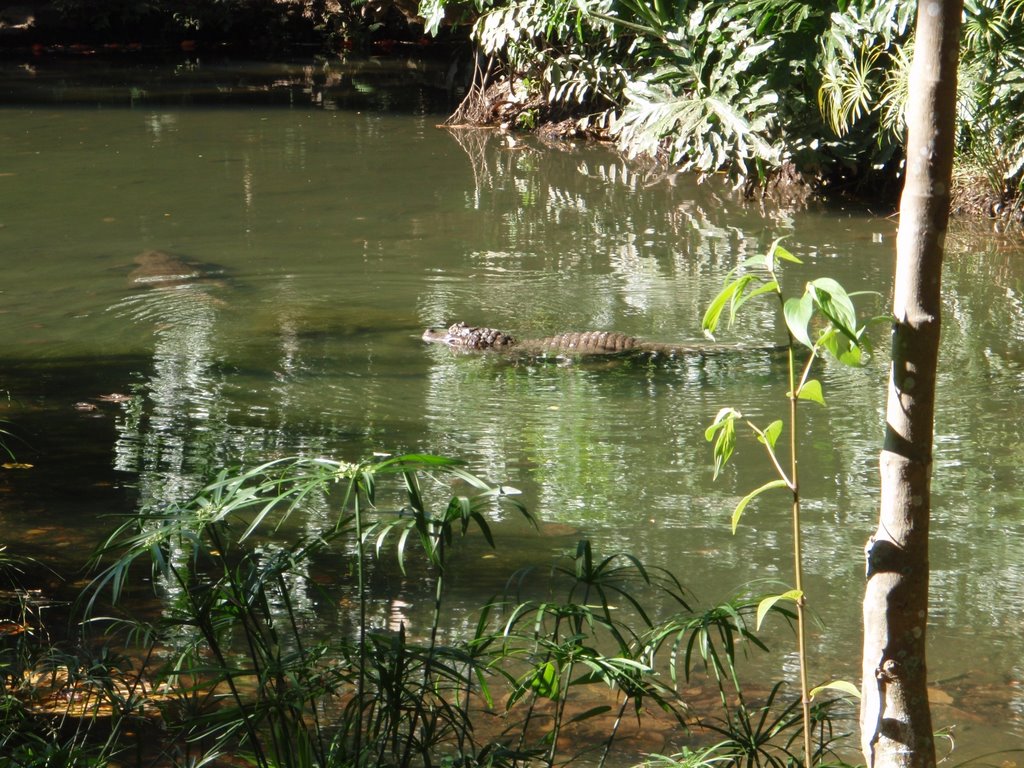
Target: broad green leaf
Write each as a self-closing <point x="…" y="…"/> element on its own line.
<point x="798" y="313"/>
<point x="766" y="605"/>
<point x="851" y="356"/>
<point x="836" y="305"/>
<point x="845" y="686"/>
<point x="840" y="347"/>
<point x="738" y="512"/>
<point x="811" y="390"/>
<point x="771" y="433"/>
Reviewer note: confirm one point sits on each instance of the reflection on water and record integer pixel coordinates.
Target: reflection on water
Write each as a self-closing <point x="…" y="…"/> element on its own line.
<point x="160" y="438"/>
<point x="417" y="86"/>
<point x="339" y="235"/>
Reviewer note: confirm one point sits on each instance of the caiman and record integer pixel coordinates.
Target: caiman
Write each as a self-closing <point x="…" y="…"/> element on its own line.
<point x="161" y="269"/>
<point x="470" y="338"/>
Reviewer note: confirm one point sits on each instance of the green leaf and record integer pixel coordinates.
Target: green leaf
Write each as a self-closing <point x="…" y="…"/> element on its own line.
<point x="785" y="255"/>
<point x="798" y="313"/>
<point x="778" y="251"/>
<point x="766" y="605"/>
<point x="840" y="347"/>
<point x="771" y="433"/>
<point x="723" y="432"/>
<point x="852" y="354"/>
<point x="738" y="298"/>
<point x="835" y="304"/>
<point x="845" y="686"/>
<point x="545" y="681"/>
<point x="738" y="512"/>
<point x="739" y="301"/>
<point x="714" y="311"/>
<point x="811" y="390"/>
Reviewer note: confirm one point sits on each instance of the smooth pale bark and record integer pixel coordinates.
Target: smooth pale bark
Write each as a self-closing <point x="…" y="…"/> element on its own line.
<point x="896" y="727"/>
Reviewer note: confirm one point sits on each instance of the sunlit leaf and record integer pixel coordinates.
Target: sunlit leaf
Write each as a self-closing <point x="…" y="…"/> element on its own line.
<point x="723" y="432"/>
<point x="785" y="255"/>
<point x="852" y="356"/>
<point x="811" y="390"/>
<point x="545" y="681"/>
<point x="840" y="347"/>
<point x="798" y="313"/>
<point x="738" y="512"/>
<point x="844" y="686"/>
<point x="738" y="296"/>
<point x="835" y="304"/>
<point x="714" y="311"/>
<point x="768" y="287"/>
<point x="771" y="433"/>
<point x="769" y="602"/>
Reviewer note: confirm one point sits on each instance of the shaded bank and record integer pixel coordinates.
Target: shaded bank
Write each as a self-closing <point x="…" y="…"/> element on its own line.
<point x="262" y="27"/>
<point x="772" y="92"/>
<point x="775" y="93"/>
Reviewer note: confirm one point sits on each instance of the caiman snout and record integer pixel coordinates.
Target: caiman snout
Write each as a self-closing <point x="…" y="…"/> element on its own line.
<point x="436" y="335"/>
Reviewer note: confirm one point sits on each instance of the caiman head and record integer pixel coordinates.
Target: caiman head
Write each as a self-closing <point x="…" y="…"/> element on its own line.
<point x="469" y="337"/>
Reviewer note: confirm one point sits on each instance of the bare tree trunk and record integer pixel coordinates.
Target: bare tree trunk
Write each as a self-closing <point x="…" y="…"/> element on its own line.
<point x="896" y="727"/>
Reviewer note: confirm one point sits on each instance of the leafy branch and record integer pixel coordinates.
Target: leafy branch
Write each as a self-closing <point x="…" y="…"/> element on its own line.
<point x="824" y="321"/>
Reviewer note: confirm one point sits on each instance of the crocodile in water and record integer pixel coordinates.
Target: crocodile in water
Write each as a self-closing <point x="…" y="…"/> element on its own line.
<point x="158" y="269"/>
<point x="470" y="338"/>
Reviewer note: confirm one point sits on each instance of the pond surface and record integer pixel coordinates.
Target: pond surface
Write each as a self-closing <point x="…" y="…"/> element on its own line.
<point x="332" y="220"/>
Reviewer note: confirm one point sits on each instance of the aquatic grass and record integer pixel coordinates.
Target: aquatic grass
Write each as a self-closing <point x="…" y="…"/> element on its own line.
<point x="235" y="625"/>
<point x="240" y="674"/>
<point x="550" y="647"/>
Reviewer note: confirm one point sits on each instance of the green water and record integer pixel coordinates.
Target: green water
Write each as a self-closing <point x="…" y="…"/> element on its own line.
<point x="332" y="233"/>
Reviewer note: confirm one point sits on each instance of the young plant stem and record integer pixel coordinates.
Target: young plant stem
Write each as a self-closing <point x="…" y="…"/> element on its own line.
<point x="563" y="699"/>
<point x="303" y="672"/>
<point x="614" y="732"/>
<point x="361" y="650"/>
<point x="209" y="632"/>
<point x="798" y="555"/>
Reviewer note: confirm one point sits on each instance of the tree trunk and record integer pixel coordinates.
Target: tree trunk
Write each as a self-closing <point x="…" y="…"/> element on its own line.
<point x="896" y="728"/>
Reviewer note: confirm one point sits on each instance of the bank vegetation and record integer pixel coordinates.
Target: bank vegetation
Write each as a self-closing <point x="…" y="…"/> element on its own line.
<point x="789" y="94"/>
<point x="768" y="91"/>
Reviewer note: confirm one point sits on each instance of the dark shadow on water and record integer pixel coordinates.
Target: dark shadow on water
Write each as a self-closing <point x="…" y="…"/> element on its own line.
<point x="400" y="86"/>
